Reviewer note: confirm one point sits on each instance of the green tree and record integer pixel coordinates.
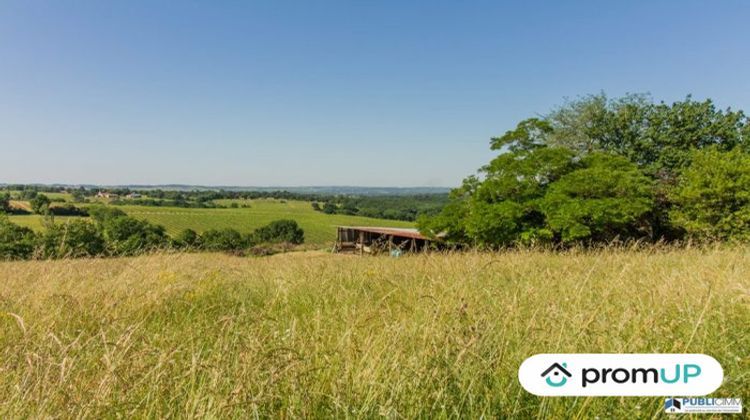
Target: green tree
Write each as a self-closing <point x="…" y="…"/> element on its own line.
<point x="4" y="203"/>
<point x="528" y="134"/>
<point x="280" y="231"/>
<point x="329" y="208"/>
<point x="128" y="236"/>
<point x="79" y="195"/>
<point x="102" y="213"/>
<point x="712" y="198"/>
<point x="606" y="197"/>
<point x="223" y="240"/>
<point x="40" y="204"/>
<point x="76" y="238"/>
<point x="657" y="137"/>
<point x="450" y="223"/>
<point x="16" y="242"/>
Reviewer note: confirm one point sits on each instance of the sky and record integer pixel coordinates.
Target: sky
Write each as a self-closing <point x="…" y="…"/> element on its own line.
<point x="297" y="93"/>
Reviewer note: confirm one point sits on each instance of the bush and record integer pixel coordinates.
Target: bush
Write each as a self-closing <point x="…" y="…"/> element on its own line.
<point x="40" y="204"/>
<point x="4" y="203"/>
<point x="280" y="231"/>
<point x="128" y="236"/>
<point x="223" y="240"/>
<point x="712" y="198"/>
<point x="76" y="238"/>
<point x="16" y="242"/>
<point x="104" y="213"/>
<point x="67" y="210"/>
<point x="329" y="208"/>
<point x="188" y="238"/>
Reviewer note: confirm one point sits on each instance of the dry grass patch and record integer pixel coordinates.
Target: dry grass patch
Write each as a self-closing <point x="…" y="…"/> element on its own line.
<point x="311" y="334"/>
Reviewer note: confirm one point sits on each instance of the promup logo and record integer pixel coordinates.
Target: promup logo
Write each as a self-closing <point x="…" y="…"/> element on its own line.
<point x="556" y="374"/>
<point x="620" y="374"/>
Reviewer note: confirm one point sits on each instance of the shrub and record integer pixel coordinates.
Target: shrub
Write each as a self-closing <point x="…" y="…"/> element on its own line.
<point x="222" y="240"/>
<point x="4" y="203"/>
<point x="128" y="236"/>
<point x="68" y="210"/>
<point x="329" y="208"/>
<point x="104" y="213"/>
<point x="76" y="238"/>
<point x="40" y="204"/>
<point x="188" y="238"/>
<point x="280" y="231"/>
<point x="16" y="242"/>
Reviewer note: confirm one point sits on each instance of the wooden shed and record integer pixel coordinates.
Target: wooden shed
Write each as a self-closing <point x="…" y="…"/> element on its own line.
<point x="373" y="240"/>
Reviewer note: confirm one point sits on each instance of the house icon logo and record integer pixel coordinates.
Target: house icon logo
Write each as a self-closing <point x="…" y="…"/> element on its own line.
<point x="672" y="405"/>
<point x="556" y="375"/>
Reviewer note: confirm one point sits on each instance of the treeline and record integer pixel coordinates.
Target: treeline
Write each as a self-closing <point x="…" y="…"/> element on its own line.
<point x="113" y="233"/>
<point x="393" y="207"/>
<point x="41" y="204"/>
<point x="597" y="170"/>
<point x="404" y="207"/>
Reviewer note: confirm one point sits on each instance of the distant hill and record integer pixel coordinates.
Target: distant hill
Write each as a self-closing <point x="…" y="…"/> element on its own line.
<point x="334" y="190"/>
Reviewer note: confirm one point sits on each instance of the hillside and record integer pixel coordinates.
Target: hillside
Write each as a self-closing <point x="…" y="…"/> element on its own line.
<point x="320" y="228"/>
<point x="318" y="335"/>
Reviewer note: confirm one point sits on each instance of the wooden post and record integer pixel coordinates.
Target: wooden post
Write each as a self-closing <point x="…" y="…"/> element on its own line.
<point x="361" y="242"/>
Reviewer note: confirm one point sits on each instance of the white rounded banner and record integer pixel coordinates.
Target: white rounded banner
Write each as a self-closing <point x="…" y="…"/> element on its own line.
<point x="637" y="375"/>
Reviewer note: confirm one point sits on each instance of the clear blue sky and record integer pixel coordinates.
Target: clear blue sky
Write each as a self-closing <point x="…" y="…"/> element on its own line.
<point x="376" y="93"/>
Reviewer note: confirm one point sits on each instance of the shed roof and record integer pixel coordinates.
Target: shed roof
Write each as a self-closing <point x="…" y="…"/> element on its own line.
<point x="403" y="232"/>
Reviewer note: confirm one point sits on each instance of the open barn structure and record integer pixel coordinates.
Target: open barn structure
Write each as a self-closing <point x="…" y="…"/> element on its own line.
<point x="374" y="240"/>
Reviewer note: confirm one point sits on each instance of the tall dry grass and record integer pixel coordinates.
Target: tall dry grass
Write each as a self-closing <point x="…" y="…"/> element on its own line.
<point x="316" y="335"/>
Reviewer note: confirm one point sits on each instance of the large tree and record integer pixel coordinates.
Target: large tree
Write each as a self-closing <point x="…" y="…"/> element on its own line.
<point x="593" y="170"/>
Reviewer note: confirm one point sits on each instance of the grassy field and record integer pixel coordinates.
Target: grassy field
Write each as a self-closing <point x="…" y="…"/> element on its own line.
<point x="320" y="228"/>
<point x="314" y="334"/>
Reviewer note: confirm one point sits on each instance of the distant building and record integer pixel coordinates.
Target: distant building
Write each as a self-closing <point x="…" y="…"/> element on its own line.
<point x="133" y="195"/>
<point x="106" y="194"/>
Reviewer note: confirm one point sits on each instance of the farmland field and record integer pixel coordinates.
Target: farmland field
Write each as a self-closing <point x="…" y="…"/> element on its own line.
<point x="320" y="228"/>
<point x="318" y="335"/>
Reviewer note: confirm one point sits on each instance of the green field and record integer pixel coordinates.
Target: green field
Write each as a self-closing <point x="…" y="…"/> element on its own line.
<point x="320" y="228"/>
<point x="316" y="335"/>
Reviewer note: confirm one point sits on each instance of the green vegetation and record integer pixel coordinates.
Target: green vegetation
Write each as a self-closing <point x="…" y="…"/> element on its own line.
<point x="712" y="199"/>
<point x="598" y="170"/>
<point x="320" y="229"/>
<point x="4" y="202"/>
<point x="40" y="204"/>
<point x="385" y="207"/>
<point x="313" y="335"/>
<point x="402" y="206"/>
<point x="111" y="232"/>
<point x="16" y="242"/>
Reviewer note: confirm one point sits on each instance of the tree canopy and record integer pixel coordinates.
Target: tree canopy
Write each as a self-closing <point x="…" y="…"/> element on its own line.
<point x="598" y="169"/>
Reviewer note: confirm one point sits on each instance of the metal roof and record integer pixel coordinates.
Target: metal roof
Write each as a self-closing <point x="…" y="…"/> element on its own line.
<point x="403" y="232"/>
